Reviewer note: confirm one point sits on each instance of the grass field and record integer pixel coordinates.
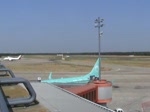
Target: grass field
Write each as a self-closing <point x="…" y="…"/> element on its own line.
<point x="77" y="63"/>
<point x="58" y="65"/>
<point x="138" y="61"/>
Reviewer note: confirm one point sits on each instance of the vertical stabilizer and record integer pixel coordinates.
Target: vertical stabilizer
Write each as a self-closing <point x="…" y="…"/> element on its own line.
<point x="19" y="57"/>
<point x="95" y="70"/>
<point x="50" y="75"/>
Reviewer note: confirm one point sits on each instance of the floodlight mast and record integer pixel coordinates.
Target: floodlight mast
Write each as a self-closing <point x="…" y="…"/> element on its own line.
<point x="98" y="24"/>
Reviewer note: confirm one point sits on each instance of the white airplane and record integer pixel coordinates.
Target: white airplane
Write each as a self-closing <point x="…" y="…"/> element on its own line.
<point x="12" y="58"/>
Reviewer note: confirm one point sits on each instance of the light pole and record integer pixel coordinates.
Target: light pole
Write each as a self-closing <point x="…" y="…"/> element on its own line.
<point x="99" y="24"/>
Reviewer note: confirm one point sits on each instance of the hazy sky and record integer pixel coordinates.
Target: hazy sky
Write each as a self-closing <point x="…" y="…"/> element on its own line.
<point x="51" y="26"/>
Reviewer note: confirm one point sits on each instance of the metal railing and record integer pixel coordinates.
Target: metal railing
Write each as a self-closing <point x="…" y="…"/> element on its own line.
<point x="3" y="104"/>
<point x="6" y="102"/>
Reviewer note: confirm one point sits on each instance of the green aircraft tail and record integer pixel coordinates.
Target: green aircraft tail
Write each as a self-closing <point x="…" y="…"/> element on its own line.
<point x="50" y="75"/>
<point x="95" y="70"/>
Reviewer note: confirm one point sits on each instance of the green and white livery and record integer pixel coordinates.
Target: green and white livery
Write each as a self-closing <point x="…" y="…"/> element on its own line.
<point x="80" y="79"/>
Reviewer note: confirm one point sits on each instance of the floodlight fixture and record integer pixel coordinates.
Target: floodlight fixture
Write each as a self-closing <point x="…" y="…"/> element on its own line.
<point x="101" y="25"/>
<point x="101" y="33"/>
<point x="102" y="20"/>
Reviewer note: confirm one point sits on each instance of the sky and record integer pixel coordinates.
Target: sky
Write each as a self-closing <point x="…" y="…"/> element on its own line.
<point x="67" y="26"/>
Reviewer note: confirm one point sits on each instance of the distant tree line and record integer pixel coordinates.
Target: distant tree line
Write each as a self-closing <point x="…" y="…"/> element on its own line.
<point x="127" y="53"/>
<point x="84" y="53"/>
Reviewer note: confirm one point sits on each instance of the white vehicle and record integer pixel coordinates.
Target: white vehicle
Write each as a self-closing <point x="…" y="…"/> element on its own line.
<point x="12" y="58"/>
<point x="118" y="110"/>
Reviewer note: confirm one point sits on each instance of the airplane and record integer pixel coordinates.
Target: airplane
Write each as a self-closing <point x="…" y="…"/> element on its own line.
<point x="12" y="58"/>
<point x="94" y="74"/>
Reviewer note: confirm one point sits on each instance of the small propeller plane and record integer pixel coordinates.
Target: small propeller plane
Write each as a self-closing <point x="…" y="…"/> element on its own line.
<point x="78" y="80"/>
<point x="12" y="58"/>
